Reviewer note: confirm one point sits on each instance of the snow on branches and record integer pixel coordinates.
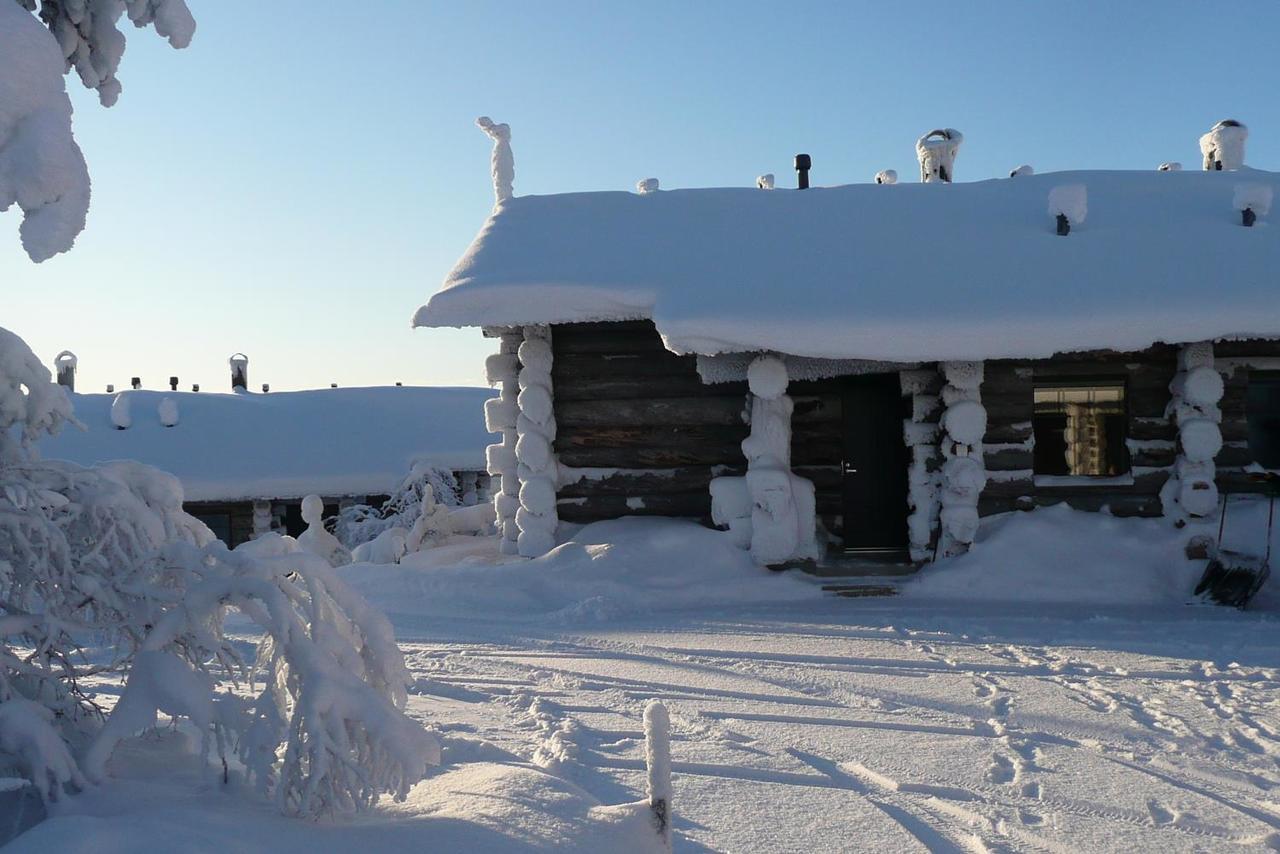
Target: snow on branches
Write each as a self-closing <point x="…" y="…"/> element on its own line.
<point x="41" y="168"/>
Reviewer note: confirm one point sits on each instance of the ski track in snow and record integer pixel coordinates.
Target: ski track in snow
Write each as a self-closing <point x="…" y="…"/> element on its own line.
<point x="870" y="736"/>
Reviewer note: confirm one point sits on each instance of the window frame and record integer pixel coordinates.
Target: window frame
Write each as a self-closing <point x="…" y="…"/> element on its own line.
<point x="1085" y="482"/>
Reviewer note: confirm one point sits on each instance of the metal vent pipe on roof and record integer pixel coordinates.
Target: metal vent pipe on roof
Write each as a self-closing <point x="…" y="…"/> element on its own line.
<point x="65" y="363"/>
<point x="136" y="382"/>
<point x="239" y="372"/>
<point x="803" y="164"/>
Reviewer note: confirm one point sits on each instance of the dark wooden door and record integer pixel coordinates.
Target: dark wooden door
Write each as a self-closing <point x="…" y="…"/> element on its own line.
<point x="874" y="469"/>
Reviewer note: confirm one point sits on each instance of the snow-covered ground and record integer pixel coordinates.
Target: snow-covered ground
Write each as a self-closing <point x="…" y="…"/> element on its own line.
<point x="800" y="722"/>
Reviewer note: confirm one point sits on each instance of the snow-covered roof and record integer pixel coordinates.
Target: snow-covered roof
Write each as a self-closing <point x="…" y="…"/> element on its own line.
<point x="332" y="442"/>
<point x="904" y="272"/>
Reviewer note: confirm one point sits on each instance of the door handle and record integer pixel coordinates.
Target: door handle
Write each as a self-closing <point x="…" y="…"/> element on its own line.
<point x="847" y="468"/>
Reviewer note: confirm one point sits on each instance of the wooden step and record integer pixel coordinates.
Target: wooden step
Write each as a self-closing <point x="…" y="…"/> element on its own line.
<point x="859" y="591"/>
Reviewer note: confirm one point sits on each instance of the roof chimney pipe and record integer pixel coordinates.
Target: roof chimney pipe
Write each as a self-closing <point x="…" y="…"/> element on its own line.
<point x="136" y="382"/>
<point x="1223" y="146"/>
<point x="239" y="372"/>
<point x="803" y="164"/>
<point x="173" y="383"/>
<point x="936" y="151"/>
<point x="65" y="363"/>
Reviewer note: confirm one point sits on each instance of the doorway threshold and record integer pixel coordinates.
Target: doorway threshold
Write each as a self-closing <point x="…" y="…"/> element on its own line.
<point x="862" y="563"/>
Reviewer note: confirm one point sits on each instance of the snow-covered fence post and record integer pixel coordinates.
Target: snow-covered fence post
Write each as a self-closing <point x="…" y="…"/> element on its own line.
<point x="936" y="151"/>
<point x="964" y="475"/>
<point x="1252" y="200"/>
<point x="502" y="164"/>
<point x="1223" y="146"/>
<point x="1068" y="203"/>
<point x="657" y="759"/>
<point x="921" y="436"/>
<point x="239" y="363"/>
<point x="262" y="518"/>
<point x="65" y="363"/>
<point x="783" y="508"/>
<point x="500" y="416"/>
<point x="536" y="430"/>
<point x="1196" y="389"/>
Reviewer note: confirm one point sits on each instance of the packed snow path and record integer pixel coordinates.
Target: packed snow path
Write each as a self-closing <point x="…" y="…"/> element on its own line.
<point x="891" y="726"/>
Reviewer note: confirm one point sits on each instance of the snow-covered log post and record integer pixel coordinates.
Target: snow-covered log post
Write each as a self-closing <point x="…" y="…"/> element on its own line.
<point x="1223" y="146"/>
<point x="1196" y="390"/>
<point x="262" y="518"/>
<point x="921" y="436"/>
<point x="502" y="369"/>
<point x="964" y="475"/>
<point x="239" y="363"/>
<point x="65" y="363"/>
<point x="936" y="151"/>
<point x="502" y="164"/>
<point x="783" y="509"/>
<point x="1252" y="200"/>
<point x="535" y="432"/>
<point x="657" y="759"/>
<point x="1068" y="204"/>
<point x="887" y="176"/>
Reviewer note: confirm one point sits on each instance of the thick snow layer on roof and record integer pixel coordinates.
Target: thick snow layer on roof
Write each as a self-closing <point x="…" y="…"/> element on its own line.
<point x="332" y="442"/>
<point x="904" y="272"/>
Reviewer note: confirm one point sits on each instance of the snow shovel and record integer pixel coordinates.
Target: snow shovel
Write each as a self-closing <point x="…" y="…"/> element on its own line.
<point x="1234" y="577"/>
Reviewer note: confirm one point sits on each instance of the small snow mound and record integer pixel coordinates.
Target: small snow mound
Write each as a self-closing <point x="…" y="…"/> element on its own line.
<point x="765" y="181"/>
<point x="1171" y="166"/>
<point x="887" y="176"/>
<point x="168" y="412"/>
<point x="120" y="414"/>
<point x="1069" y="200"/>
<point x="647" y="185"/>
<point x="767" y="377"/>
<point x="1255" y="197"/>
<point x="1021" y="171"/>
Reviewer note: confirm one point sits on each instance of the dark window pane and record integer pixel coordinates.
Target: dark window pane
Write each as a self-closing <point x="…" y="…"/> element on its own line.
<point x="1264" y="419"/>
<point x="1080" y="429"/>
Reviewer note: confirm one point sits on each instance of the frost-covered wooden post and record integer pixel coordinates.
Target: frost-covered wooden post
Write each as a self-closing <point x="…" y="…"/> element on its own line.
<point x="500" y="416"/>
<point x="1195" y="391"/>
<point x="921" y="436"/>
<point x="657" y="756"/>
<point x="239" y="363"/>
<point x="936" y="151"/>
<point x="536" y="431"/>
<point x="502" y="163"/>
<point x="964" y="474"/>
<point x="65" y="363"/>
<point x="1223" y="146"/>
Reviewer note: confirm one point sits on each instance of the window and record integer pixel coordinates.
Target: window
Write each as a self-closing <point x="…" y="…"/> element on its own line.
<point x="1264" y="419"/>
<point x="219" y="523"/>
<point x="1079" y="428"/>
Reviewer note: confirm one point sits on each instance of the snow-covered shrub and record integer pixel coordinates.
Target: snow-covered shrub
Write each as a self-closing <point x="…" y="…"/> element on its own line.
<point x="326" y="732"/>
<point x="362" y="523"/>
<point x="41" y="168"/>
<point x="109" y="552"/>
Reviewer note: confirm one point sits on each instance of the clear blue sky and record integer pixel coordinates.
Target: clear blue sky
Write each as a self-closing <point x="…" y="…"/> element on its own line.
<point x="295" y="185"/>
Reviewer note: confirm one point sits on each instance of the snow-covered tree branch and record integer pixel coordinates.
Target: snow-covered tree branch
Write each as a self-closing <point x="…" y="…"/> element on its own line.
<point x="41" y="168"/>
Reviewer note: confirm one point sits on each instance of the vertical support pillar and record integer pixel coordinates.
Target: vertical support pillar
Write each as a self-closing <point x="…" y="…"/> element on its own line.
<point x="921" y="435"/>
<point x="500" y="415"/>
<point x="536" y="431"/>
<point x="262" y="518"/>
<point x="1196" y="391"/>
<point x="964" y="473"/>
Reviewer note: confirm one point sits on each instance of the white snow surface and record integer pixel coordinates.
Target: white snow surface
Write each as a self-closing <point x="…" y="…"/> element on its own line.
<point x="837" y="272"/>
<point x="346" y="441"/>
<point x="1101" y="713"/>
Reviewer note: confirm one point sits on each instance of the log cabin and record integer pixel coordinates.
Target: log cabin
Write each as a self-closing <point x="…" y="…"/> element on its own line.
<point x="246" y="460"/>
<point x="946" y="352"/>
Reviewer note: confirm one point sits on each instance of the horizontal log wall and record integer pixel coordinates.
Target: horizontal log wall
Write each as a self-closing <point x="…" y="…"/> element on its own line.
<point x="622" y="401"/>
<point x="817" y="446"/>
<point x="1007" y="394"/>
